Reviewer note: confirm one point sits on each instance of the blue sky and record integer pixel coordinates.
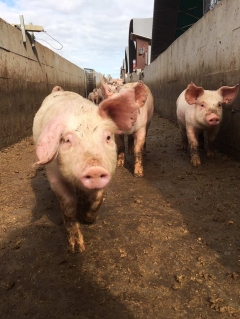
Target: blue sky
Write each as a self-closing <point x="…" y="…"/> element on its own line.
<point x="93" y="33"/>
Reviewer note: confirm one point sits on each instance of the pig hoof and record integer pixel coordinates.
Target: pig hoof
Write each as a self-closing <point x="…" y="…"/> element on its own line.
<point x="195" y="161"/>
<point x="75" y="240"/>
<point x="75" y="246"/>
<point x="120" y="163"/>
<point x="210" y="154"/>
<point x="89" y="220"/>
<point x="138" y="174"/>
<point x="121" y="159"/>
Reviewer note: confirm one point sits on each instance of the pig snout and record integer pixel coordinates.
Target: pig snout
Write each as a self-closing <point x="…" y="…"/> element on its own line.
<point x="95" y="177"/>
<point x="213" y="119"/>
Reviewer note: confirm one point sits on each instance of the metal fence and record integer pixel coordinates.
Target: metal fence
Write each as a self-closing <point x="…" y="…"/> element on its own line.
<point x="90" y="80"/>
<point x="209" y="5"/>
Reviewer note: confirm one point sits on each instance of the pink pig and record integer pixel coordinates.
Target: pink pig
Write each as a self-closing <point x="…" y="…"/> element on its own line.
<point x="93" y="96"/>
<point x="200" y="110"/>
<point x="137" y="134"/>
<point x="75" y="141"/>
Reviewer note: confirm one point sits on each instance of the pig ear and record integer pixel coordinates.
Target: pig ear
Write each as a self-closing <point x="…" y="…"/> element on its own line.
<point x="192" y="93"/>
<point x="48" y="141"/>
<point x="106" y="92"/>
<point x="229" y="93"/>
<point x="57" y="88"/>
<point x="140" y="93"/>
<point x="121" y="107"/>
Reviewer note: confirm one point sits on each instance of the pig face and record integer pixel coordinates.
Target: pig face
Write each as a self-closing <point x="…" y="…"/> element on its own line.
<point x="208" y="104"/>
<point x="209" y="108"/>
<point x="87" y="155"/>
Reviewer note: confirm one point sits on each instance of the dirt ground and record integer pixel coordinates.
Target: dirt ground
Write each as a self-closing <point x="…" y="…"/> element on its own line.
<point x="164" y="246"/>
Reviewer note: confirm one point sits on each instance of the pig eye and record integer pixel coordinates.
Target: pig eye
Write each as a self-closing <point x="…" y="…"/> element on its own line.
<point x="108" y="137"/>
<point x="219" y="104"/>
<point x="202" y="104"/>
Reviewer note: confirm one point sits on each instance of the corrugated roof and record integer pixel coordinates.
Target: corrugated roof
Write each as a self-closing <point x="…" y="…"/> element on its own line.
<point x="142" y="27"/>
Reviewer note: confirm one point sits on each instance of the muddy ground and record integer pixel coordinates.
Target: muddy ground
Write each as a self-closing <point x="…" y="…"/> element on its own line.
<point x="164" y="246"/>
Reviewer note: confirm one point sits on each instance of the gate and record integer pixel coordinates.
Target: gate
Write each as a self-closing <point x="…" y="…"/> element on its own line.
<point x="90" y="80"/>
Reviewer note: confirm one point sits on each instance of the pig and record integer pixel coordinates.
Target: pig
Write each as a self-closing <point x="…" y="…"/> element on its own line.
<point x="93" y="96"/>
<point x="200" y="110"/>
<point x="100" y="96"/>
<point x="57" y="88"/>
<point x="75" y="140"/>
<point x="137" y="134"/>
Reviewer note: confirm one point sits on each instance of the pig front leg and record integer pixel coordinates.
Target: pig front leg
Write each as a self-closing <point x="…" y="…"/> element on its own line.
<point x="139" y="141"/>
<point x="211" y="134"/>
<point x="91" y="204"/>
<point x="192" y="135"/>
<point x="67" y="197"/>
<point x="145" y="143"/>
<point x="130" y="139"/>
<point x="184" y="139"/>
<point x="120" y="149"/>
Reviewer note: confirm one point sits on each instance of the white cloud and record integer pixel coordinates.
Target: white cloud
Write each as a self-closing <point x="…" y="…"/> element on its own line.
<point x="93" y="33"/>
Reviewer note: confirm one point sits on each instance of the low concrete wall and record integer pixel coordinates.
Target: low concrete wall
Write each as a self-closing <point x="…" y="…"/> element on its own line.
<point x="207" y="54"/>
<point x="27" y="76"/>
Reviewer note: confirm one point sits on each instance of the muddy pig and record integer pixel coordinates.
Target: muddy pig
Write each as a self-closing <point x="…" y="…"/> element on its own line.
<point x="200" y="110"/>
<point x="75" y="141"/>
<point x="137" y="134"/>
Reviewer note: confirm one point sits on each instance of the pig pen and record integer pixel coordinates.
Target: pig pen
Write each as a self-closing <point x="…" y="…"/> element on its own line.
<point x="164" y="246"/>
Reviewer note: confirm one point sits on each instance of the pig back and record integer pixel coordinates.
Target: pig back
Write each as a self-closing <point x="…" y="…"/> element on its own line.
<point x="60" y="103"/>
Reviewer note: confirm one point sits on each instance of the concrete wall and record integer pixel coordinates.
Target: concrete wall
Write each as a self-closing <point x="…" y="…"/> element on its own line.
<point x="209" y="55"/>
<point x="27" y="76"/>
<point x="98" y="77"/>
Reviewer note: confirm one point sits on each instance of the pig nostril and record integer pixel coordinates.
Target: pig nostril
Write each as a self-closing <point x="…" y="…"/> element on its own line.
<point x="214" y="121"/>
<point x="101" y="176"/>
<point x="95" y="177"/>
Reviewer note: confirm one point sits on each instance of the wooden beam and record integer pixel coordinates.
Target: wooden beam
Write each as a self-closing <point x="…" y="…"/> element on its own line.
<point x="30" y="28"/>
<point x="22" y="26"/>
